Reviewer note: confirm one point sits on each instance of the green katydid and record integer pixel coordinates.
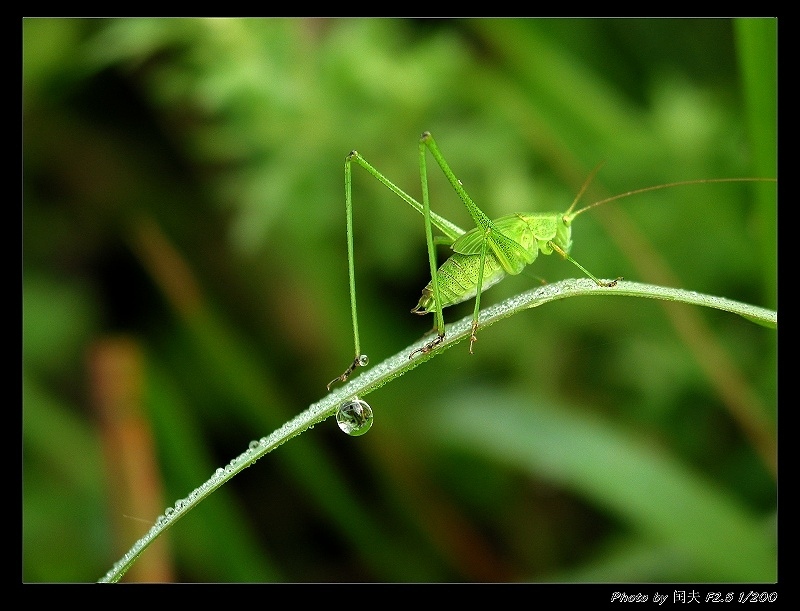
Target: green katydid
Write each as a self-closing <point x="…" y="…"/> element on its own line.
<point x="482" y="256"/>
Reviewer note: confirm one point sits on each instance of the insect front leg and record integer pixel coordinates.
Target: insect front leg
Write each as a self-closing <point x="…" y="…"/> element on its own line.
<point x="599" y="282"/>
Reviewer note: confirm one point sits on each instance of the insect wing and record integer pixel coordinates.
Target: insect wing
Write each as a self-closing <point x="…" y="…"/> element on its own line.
<point x="508" y="241"/>
<point x="470" y="243"/>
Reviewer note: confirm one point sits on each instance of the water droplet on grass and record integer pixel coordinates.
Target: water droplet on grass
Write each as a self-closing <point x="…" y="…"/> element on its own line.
<point x="354" y="417"/>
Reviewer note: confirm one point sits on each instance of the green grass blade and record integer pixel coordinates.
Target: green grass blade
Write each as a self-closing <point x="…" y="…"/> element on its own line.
<point x="630" y="477"/>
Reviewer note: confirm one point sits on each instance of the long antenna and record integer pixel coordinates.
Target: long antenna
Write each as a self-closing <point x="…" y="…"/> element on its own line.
<point x="586" y="183"/>
<point x="570" y="216"/>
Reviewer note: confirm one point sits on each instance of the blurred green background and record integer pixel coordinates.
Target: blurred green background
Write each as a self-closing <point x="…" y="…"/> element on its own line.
<point x="185" y="291"/>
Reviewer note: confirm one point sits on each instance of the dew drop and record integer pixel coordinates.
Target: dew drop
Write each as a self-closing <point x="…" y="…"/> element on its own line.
<point x="363" y="360"/>
<point x="354" y="417"/>
<point x="253" y="445"/>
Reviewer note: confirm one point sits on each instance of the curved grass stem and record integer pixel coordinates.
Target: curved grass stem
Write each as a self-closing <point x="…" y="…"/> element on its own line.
<point x="399" y="364"/>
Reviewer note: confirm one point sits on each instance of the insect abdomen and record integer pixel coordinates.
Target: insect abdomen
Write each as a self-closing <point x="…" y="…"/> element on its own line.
<point x="458" y="280"/>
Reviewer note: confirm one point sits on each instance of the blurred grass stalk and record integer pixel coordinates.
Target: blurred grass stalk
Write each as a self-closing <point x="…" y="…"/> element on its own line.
<point x="135" y="489"/>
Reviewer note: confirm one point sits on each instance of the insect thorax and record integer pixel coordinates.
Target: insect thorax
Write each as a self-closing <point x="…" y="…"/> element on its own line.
<point x="542" y="228"/>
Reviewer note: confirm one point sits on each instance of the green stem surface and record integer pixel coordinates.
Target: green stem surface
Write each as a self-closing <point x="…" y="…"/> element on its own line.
<point x="399" y="364"/>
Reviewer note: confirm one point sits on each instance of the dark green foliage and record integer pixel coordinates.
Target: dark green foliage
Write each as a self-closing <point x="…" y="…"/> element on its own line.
<point x="183" y="189"/>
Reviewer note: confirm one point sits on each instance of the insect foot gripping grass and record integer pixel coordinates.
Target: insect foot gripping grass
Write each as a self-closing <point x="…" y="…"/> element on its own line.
<point x="481" y="256"/>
